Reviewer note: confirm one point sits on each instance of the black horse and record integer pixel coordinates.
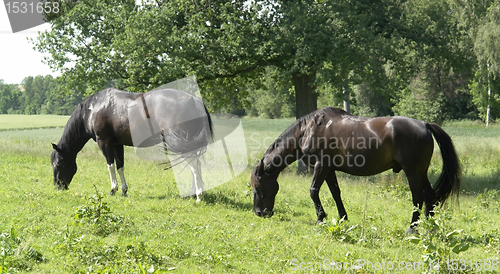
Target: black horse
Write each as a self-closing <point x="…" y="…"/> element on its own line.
<point x="330" y="139"/>
<point x="114" y="118"/>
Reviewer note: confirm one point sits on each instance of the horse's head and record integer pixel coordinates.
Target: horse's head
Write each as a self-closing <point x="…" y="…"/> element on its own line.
<point x="265" y="187"/>
<point x="64" y="167"/>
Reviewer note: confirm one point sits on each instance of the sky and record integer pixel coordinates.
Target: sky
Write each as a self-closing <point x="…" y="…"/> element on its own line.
<point x="18" y="59"/>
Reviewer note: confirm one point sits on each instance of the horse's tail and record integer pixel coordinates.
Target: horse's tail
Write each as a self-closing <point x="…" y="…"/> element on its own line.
<point x="449" y="180"/>
<point x="210" y="124"/>
<point x="182" y="143"/>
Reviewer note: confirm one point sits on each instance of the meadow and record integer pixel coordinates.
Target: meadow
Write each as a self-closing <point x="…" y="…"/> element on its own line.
<point x="153" y="230"/>
<point x="17" y="122"/>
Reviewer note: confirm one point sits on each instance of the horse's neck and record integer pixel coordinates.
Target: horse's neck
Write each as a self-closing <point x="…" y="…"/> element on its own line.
<point x="75" y="134"/>
<point x="274" y="164"/>
<point x="282" y="154"/>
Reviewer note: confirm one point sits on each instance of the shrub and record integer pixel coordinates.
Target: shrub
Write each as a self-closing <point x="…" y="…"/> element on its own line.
<point x="97" y="213"/>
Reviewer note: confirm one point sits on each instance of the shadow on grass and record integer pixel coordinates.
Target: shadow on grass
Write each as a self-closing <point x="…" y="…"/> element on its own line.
<point x="213" y="198"/>
<point x="161" y="197"/>
<point x="471" y="184"/>
<point x="285" y="211"/>
<point x="476" y="184"/>
<point x="218" y="198"/>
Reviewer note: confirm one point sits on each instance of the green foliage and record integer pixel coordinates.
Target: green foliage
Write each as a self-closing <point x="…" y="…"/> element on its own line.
<point x="223" y="43"/>
<point x="16" y="254"/>
<point x="9" y="98"/>
<point x="98" y="215"/>
<point x="488" y="32"/>
<point x="36" y="95"/>
<point x="417" y="103"/>
<point x="435" y="64"/>
<point x="96" y="218"/>
<point x="479" y="91"/>
<point x="274" y="98"/>
<point x="94" y="257"/>
<point x="339" y="231"/>
<point x="438" y="242"/>
<point x="371" y="102"/>
<point x="140" y="47"/>
<point x="378" y="49"/>
<point x="489" y="199"/>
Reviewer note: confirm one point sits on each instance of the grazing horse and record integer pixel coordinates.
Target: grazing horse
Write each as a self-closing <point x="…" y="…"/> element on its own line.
<point x="331" y="139"/>
<point x="111" y="117"/>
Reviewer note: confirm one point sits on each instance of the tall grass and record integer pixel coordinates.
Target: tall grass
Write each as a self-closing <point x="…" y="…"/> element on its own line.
<point x="479" y="151"/>
<point x="155" y="231"/>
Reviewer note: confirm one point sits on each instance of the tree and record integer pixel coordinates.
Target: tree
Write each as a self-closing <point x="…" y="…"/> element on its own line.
<point x="37" y="95"/>
<point x="273" y="98"/>
<point x="36" y="91"/>
<point x="143" y="47"/>
<point x="479" y="21"/>
<point x="221" y="42"/>
<point x="479" y="87"/>
<point x="9" y="98"/>
<point x="488" y="51"/>
<point x="435" y="64"/>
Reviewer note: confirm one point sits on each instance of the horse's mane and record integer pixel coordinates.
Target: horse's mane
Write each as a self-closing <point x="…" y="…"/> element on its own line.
<point x="75" y="134"/>
<point x="296" y="129"/>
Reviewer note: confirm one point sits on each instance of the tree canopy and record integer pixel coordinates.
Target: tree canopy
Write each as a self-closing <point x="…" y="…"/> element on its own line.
<point x="419" y="58"/>
<point x="36" y="95"/>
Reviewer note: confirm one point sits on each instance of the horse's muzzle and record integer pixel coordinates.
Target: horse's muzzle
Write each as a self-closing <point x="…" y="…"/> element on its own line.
<point x="266" y="213"/>
<point x="60" y="185"/>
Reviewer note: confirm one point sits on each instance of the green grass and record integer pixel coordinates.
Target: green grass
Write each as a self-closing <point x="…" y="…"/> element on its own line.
<point x="10" y="122"/>
<point x="155" y="231"/>
<point x="479" y="150"/>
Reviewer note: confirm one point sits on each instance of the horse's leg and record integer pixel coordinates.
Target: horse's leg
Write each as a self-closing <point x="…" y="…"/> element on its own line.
<point x="333" y="185"/>
<point x="318" y="179"/>
<point x="421" y="191"/>
<point x="108" y="152"/>
<point x="428" y="196"/>
<point x="120" y="160"/>
<point x="195" y="166"/>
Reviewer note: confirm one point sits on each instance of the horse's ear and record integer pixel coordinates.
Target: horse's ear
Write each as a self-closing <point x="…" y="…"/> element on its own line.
<point x="260" y="168"/>
<point x="55" y="147"/>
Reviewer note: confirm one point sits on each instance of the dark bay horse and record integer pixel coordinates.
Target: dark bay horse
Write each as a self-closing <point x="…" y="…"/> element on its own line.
<point x="330" y="139"/>
<point x="113" y="118"/>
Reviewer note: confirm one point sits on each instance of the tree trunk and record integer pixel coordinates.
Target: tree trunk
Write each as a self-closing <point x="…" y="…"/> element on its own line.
<point x="488" y="109"/>
<point x="305" y="98"/>
<point x="305" y="103"/>
<point x="347" y="103"/>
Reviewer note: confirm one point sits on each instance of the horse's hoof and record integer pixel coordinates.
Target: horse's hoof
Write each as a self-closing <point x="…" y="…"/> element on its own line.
<point x="321" y="217"/>
<point x="124" y="193"/>
<point x="199" y="198"/>
<point x="112" y="192"/>
<point x="411" y="230"/>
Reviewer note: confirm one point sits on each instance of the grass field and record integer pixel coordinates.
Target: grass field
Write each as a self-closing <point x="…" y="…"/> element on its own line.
<point x="155" y="231"/>
<point x="17" y="122"/>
